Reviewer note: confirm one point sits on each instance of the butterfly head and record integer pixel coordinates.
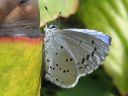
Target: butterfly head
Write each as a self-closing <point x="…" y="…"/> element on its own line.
<point x="52" y="27"/>
<point x="50" y="30"/>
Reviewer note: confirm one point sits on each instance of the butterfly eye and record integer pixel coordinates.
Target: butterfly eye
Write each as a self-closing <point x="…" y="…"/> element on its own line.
<point x="52" y="26"/>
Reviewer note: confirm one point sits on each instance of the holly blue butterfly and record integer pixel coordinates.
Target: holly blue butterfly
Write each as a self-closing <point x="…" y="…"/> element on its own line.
<point x="72" y="53"/>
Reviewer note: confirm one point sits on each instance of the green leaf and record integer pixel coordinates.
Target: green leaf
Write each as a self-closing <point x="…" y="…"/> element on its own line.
<point x="20" y="66"/>
<point x="66" y="7"/>
<point x="111" y="17"/>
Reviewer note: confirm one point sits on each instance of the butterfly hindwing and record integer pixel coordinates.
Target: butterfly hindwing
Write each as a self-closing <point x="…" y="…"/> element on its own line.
<point x="60" y="66"/>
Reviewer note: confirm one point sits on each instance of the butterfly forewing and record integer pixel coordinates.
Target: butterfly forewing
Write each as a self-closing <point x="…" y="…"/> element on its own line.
<point x="91" y="49"/>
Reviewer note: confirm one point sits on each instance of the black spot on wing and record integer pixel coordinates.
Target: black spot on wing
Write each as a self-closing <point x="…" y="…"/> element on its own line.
<point x="92" y="42"/>
<point x="95" y="49"/>
<point x="64" y="71"/>
<point x="57" y="65"/>
<point x="92" y="53"/>
<point x="61" y="47"/>
<point x="71" y="59"/>
<point x="48" y="60"/>
<point x="83" y="59"/>
<point x="56" y="79"/>
<point x="49" y="74"/>
<point x="66" y="60"/>
<point x="88" y="57"/>
<point x="59" y="68"/>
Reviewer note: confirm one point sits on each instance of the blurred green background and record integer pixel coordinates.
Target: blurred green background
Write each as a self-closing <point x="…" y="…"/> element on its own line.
<point x="108" y="16"/>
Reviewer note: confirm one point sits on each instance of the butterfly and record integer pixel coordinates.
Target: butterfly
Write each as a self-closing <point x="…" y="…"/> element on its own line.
<point x="72" y="53"/>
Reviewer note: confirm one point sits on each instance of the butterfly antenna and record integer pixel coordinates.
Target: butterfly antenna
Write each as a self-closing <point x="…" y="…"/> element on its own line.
<point x="51" y="15"/>
<point x="44" y="22"/>
<point x="59" y="18"/>
<point x="48" y="12"/>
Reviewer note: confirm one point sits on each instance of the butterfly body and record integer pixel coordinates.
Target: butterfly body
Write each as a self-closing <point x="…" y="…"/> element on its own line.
<point x="72" y="53"/>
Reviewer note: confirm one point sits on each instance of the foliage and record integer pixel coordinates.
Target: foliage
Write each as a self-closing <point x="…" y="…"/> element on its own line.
<point x="111" y="17"/>
<point x="20" y="66"/>
<point x="55" y="7"/>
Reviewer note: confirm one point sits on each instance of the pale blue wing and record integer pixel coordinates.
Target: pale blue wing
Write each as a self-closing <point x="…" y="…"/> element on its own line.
<point x="73" y="53"/>
<point x="89" y="48"/>
<point x="100" y="35"/>
<point x="60" y="67"/>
